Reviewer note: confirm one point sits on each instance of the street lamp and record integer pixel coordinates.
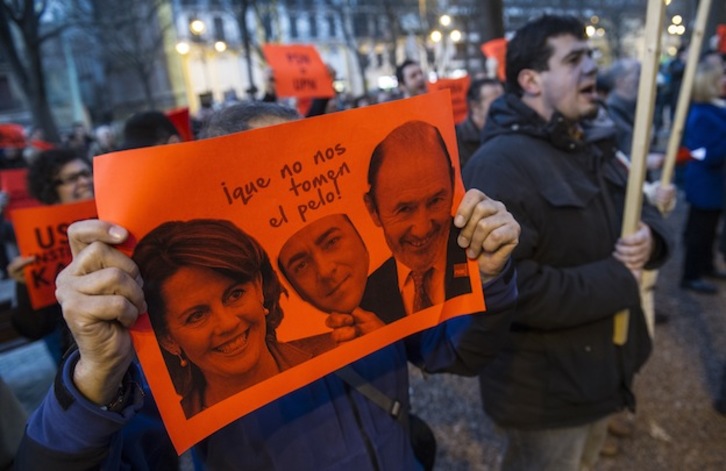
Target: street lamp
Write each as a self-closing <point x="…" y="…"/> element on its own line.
<point x="183" y="48"/>
<point x="444" y="40"/>
<point x="197" y="27"/>
<point x="220" y="46"/>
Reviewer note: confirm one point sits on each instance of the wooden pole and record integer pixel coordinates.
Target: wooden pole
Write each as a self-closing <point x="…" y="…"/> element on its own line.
<point x="641" y="139"/>
<point x="684" y="97"/>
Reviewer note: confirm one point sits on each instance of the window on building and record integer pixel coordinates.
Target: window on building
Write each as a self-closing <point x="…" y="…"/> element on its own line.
<point x="219" y="29"/>
<point x="360" y="24"/>
<point x="267" y="24"/>
<point x="377" y="27"/>
<point x="313" y="25"/>
<point x="293" y="27"/>
<point x="332" y="30"/>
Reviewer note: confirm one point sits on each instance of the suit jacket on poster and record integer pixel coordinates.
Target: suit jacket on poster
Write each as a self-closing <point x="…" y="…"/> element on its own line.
<point x="383" y="298"/>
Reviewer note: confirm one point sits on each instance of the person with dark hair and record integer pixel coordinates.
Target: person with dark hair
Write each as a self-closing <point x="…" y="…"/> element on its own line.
<point x="480" y="95"/>
<point x="410" y="200"/>
<point x="411" y="78"/>
<point x="60" y="176"/>
<point x="328" y="424"/>
<point x="326" y="263"/>
<point x="148" y="128"/>
<point x="562" y="374"/>
<point x="214" y="304"/>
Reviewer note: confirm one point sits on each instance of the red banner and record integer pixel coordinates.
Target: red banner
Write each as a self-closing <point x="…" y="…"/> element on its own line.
<point x="497" y="49"/>
<point x="458" y="88"/>
<point x="179" y="117"/>
<point x="14" y="183"/>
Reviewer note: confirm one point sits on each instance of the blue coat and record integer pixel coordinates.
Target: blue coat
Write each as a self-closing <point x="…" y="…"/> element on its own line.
<point x="322" y="426"/>
<point x="704" y="179"/>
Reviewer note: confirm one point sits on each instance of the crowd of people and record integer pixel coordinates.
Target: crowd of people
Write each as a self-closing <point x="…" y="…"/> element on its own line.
<point x="544" y="157"/>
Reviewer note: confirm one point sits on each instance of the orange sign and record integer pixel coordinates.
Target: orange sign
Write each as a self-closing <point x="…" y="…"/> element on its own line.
<point x="283" y="219"/>
<point x="41" y="232"/>
<point x="298" y="71"/>
<point x="497" y="49"/>
<point x="458" y="88"/>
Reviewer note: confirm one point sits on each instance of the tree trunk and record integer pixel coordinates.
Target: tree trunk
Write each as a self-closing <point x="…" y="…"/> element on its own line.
<point x="39" y="105"/>
<point x="31" y="79"/>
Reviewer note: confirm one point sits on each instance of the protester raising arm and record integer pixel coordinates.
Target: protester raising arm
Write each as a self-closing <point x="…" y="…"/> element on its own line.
<point x="100" y="294"/>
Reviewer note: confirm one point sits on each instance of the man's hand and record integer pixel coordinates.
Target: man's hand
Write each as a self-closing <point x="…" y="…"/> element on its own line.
<point x="488" y="232"/>
<point x="16" y="268"/>
<point x="101" y="297"/>
<point x="635" y="249"/>
<point x="347" y="327"/>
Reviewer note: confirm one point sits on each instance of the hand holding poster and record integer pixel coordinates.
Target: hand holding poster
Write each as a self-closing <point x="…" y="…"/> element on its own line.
<point x="41" y="233"/>
<point x="298" y="71"/>
<point x="306" y="218"/>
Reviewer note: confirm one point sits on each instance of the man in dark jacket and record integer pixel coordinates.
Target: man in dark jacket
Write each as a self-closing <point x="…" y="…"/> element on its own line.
<point x="561" y="375"/>
<point x="479" y="97"/>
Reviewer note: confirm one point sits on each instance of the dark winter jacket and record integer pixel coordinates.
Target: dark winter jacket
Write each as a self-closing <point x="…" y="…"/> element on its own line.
<point x="561" y="367"/>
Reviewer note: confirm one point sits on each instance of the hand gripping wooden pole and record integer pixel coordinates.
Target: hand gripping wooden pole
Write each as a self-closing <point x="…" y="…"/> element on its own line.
<point x="641" y="139"/>
<point x="684" y="97"/>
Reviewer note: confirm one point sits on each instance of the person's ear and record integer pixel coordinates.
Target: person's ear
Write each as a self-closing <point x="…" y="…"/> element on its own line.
<point x="371" y="207"/>
<point x="531" y="82"/>
<point x="170" y="345"/>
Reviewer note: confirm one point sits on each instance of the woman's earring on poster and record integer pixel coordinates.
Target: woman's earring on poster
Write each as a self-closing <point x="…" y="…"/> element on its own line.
<point x="182" y="361"/>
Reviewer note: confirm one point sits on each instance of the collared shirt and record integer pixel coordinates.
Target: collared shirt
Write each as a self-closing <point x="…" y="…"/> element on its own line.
<point x="434" y="287"/>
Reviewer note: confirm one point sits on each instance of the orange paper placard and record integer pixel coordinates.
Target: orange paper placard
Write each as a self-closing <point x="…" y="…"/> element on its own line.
<point x="41" y="232"/>
<point x="497" y="48"/>
<point x="298" y="71"/>
<point x="298" y="189"/>
<point x="458" y="88"/>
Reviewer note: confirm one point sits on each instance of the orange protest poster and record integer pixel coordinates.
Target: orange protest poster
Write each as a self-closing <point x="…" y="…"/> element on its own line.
<point x="14" y="183"/>
<point x="41" y="232"/>
<point x="497" y="49"/>
<point x="284" y="219"/>
<point x="299" y="71"/>
<point x="458" y="88"/>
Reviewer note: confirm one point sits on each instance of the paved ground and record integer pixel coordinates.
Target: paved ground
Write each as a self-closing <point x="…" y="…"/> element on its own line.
<point x="676" y="425"/>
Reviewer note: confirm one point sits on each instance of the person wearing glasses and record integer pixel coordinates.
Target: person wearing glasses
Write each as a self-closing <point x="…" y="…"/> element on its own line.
<point x="57" y="176"/>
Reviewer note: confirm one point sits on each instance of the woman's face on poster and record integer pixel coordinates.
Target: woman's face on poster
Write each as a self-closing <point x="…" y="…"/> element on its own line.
<point x="216" y="322"/>
<point x="327" y="264"/>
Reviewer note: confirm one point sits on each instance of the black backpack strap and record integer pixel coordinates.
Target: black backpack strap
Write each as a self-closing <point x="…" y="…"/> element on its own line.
<point x="375" y="395"/>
